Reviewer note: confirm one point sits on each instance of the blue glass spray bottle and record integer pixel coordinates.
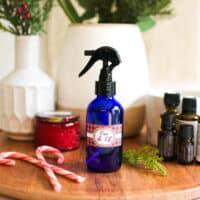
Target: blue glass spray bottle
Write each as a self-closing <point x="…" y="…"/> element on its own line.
<point x="104" y="118"/>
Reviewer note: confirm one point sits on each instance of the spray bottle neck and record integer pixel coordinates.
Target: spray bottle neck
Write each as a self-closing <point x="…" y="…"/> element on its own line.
<point x="105" y="88"/>
<point x="105" y="97"/>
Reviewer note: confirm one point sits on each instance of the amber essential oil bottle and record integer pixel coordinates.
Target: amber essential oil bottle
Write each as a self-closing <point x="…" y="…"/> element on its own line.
<point x="189" y="117"/>
<point x="171" y="102"/>
<point x="185" y="154"/>
<point x="167" y="136"/>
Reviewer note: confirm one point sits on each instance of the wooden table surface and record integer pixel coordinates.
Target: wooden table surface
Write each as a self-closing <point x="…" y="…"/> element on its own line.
<point x="25" y="181"/>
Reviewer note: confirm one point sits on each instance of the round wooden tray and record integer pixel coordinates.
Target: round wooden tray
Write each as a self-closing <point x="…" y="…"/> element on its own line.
<point x="25" y="181"/>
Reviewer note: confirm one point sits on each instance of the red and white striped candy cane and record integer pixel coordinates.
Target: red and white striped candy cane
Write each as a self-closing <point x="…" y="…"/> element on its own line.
<point x="51" y="176"/>
<point x="50" y="150"/>
<point x="56" y="169"/>
<point x="24" y="157"/>
<point x="7" y="162"/>
<point x="16" y="155"/>
<point x="68" y="174"/>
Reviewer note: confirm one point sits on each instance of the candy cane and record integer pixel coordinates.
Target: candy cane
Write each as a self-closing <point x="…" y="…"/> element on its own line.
<point x="59" y="170"/>
<point x="7" y="162"/>
<point x="51" y="150"/>
<point x="51" y="176"/>
<point x="24" y="157"/>
<point x="60" y="156"/>
<point x="68" y="174"/>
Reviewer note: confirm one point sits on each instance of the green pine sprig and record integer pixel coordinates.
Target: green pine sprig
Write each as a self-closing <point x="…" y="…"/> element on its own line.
<point x="24" y="17"/>
<point x="146" y="156"/>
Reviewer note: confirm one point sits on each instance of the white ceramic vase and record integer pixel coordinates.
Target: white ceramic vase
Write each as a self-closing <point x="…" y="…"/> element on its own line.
<point x="26" y="91"/>
<point x="131" y="76"/>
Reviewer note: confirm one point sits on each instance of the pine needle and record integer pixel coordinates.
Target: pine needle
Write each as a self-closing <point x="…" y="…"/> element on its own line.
<point x="146" y="156"/>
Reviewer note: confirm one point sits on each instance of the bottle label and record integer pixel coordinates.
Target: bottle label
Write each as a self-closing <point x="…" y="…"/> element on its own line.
<point x="104" y="136"/>
<point x="195" y="126"/>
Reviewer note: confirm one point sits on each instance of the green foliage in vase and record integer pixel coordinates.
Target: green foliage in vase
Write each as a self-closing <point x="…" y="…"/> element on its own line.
<point x="147" y="157"/>
<point x="118" y="11"/>
<point x="24" y="17"/>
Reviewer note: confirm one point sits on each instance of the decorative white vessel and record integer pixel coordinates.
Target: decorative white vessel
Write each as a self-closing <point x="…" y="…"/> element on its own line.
<point x="26" y="91"/>
<point x="131" y="76"/>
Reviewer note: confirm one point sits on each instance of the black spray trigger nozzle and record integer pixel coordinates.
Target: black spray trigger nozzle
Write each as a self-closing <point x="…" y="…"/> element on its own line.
<point x="89" y="52"/>
<point x="108" y="55"/>
<point x="110" y="59"/>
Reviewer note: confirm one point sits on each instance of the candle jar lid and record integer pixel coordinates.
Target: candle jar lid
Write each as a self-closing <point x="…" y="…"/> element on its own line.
<point x="57" y="117"/>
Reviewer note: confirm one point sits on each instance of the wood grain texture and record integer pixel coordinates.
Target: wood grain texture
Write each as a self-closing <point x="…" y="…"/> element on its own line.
<point x="25" y="181"/>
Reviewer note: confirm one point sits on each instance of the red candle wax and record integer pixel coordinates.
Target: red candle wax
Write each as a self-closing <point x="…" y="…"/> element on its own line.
<point x="57" y="129"/>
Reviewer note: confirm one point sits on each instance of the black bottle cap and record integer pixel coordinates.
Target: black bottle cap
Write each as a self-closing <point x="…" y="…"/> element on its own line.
<point x="110" y="57"/>
<point x="105" y="88"/>
<point x="168" y="121"/>
<point x="189" y="105"/>
<point x="186" y="131"/>
<point x="171" y="99"/>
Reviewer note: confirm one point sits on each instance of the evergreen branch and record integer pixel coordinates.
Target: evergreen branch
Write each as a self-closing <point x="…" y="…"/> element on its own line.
<point x="46" y="9"/>
<point x="3" y="28"/>
<point x="26" y="17"/>
<point x="12" y="30"/>
<point x="11" y="22"/>
<point x="146" y="156"/>
<point x="69" y="10"/>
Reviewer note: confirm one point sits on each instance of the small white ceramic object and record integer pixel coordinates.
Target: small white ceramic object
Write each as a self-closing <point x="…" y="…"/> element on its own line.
<point x="26" y="91"/>
<point x="131" y="75"/>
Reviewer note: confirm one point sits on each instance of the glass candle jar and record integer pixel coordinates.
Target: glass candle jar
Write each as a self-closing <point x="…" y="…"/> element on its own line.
<point x="57" y="129"/>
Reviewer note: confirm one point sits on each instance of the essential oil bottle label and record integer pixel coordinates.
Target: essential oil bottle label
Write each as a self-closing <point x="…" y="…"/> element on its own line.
<point x="104" y="136"/>
<point x="195" y="126"/>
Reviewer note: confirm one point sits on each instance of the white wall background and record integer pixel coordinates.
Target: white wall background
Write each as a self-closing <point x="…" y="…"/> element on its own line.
<point x="173" y="47"/>
<point x="6" y="53"/>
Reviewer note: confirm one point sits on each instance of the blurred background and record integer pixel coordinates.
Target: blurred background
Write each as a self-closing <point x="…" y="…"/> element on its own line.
<point x="172" y="47"/>
<point x="173" y="54"/>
